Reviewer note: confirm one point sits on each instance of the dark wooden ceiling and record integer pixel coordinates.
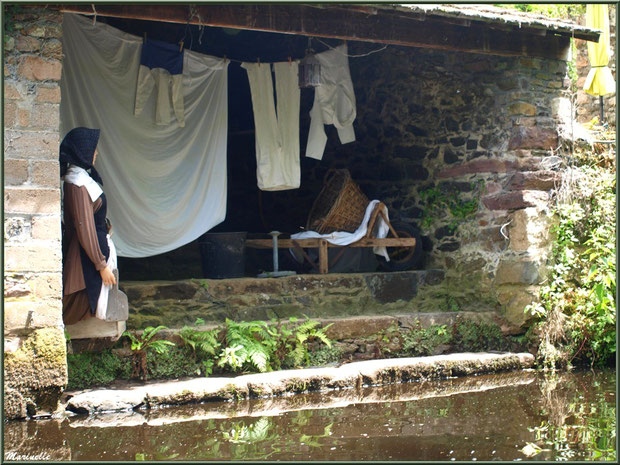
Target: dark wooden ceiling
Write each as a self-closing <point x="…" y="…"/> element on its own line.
<point x="350" y="22"/>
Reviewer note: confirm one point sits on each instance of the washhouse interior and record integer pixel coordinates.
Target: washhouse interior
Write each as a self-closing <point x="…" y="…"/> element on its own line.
<point x="404" y="112"/>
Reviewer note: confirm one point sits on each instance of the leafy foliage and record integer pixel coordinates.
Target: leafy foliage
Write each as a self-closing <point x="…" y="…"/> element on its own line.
<point x="204" y="345"/>
<point x="177" y="362"/>
<point x="324" y="356"/>
<point x="423" y="341"/>
<point x="144" y="343"/>
<point x="469" y="335"/>
<point x="249" y="345"/>
<point x="577" y="311"/>
<point x="256" y="345"/>
<point x="551" y="10"/>
<point x="292" y="347"/>
<point x="437" y="202"/>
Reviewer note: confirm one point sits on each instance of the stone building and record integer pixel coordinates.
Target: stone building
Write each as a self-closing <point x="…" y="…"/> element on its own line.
<point x="464" y="103"/>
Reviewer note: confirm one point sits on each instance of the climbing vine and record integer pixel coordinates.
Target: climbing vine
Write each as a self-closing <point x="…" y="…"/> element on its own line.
<point x="577" y="310"/>
<point x="437" y="202"/>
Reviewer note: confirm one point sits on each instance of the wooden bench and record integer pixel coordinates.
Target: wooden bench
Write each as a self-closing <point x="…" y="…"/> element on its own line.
<point x="323" y="245"/>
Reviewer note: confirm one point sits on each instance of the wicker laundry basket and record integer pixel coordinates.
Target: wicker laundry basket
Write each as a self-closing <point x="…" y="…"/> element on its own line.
<point x="340" y="205"/>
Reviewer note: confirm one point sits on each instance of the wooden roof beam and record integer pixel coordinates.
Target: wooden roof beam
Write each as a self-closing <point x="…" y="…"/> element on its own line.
<point x="378" y="26"/>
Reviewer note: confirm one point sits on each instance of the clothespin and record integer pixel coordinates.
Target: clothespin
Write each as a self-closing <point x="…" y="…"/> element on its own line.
<point x="258" y="60"/>
<point x="95" y="14"/>
<point x="144" y="40"/>
<point x="181" y="47"/>
<point x="290" y="61"/>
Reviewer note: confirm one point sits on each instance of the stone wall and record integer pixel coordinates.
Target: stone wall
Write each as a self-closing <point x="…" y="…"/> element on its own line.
<point x="471" y="128"/>
<point x="587" y="106"/>
<point x="34" y="344"/>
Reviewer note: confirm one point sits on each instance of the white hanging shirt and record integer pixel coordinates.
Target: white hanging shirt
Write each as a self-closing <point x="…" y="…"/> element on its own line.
<point x="277" y="135"/>
<point x="334" y="102"/>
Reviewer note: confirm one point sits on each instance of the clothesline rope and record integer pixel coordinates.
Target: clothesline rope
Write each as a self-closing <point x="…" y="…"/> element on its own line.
<point x="324" y="43"/>
<point x="354" y="56"/>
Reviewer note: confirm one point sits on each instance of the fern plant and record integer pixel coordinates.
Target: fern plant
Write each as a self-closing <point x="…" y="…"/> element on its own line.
<point x="141" y="344"/>
<point x="250" y="344"/>
<point x="293" y="347"/>
<point x="204" y="345"/>
<point x="256" y="345"/>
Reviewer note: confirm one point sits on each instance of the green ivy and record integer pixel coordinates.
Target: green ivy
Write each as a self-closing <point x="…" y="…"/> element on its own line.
<point x="577" y="311"/>
<point x="437" y="203"/>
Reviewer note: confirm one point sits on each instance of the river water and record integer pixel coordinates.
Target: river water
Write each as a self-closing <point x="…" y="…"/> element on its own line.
<point x="509" y="416"/>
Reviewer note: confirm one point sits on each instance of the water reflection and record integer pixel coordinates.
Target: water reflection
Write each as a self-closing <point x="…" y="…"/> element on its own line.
<point x="510" y="416"/>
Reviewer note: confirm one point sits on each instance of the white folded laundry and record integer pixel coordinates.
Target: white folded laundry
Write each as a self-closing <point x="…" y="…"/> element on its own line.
<point x="346" y="238"/>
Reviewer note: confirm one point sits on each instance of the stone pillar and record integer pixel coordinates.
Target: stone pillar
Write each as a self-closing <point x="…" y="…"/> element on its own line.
<point x="526" y="194"/>
<point x="35" y="360"/>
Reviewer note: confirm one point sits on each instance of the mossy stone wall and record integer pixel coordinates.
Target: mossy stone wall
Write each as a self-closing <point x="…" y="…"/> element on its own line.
<point x="35" y="370"/>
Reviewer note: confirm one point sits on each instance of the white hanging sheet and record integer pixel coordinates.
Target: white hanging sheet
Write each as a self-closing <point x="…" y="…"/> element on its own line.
<point x="165" y="185"/>
<point x="334" y="102"/>
<point x="277" y="135"/>
<point x="346" y="238"/>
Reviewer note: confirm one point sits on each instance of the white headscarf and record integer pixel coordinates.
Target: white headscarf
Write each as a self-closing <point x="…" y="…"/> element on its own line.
<point x="80" y="177"/>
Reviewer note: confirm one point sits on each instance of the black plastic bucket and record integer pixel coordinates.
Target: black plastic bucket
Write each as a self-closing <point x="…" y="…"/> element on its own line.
<point x="222" y="254"/>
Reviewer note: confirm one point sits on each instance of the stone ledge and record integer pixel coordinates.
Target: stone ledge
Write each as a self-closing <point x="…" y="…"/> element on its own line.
<point x="262" y="385"/>
<point x="177" y="303"/>
<point x="337" y="398"/>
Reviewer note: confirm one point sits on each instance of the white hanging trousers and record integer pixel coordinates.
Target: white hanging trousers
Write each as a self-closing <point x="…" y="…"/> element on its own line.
<point x="334" y="102"/>
<point x="277" y="136"/>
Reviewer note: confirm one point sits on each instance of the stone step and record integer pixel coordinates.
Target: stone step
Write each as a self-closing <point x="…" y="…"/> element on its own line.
<point x="352" y="375"/>
<point x="279" y="405"/>
<point x="177" y="303"/>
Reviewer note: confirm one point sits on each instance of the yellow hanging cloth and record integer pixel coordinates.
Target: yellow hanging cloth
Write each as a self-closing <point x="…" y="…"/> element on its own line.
<point x="600" y="81"/>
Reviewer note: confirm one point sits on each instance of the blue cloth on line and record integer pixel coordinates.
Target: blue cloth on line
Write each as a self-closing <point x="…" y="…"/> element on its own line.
<point x="158" y="54"/>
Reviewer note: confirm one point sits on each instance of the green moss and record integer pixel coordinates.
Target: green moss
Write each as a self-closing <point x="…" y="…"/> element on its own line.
<point x="96" y="369"/>
<point x="470" y="336"/>
<point x="324" y="356"/>
<point x="39" y="364"/>
<point x="230" y="391"/>
<point x="45" y="348"/>
<point x="176" y="362"/>
<point x="100" y="369"/>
